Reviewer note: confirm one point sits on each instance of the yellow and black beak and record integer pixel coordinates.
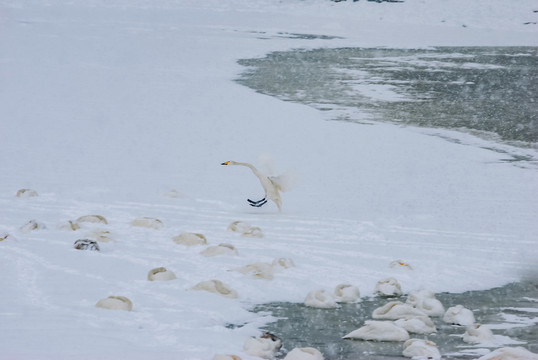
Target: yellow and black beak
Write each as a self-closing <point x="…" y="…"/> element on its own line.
<point x="225" y="163"/>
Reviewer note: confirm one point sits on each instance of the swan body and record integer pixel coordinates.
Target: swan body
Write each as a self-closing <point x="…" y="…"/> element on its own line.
<point x="283" y="263"/>
<point x="417" y="325"/>
<point x="379" y="331"/>
<point x="216" y="287"/>
<point x="266" y="346"/>
<point x="320" y="299"/>
<point x="425" y="301"/>
<point x="115" y="303"/>
<point x="245" y="229"/>
<point x="269" y="184"/>
<point x="395" y="310"/>
<point x="458" y="315"/>
<point x="96" y="219"/>
<point x="26" y="193"/>
<point x="388" y="287"/>
<point x="476" y="334"/>
<point x="421" y="348"/>
<point x="510" y="353"/>
<point x="31" y="226"/>
<point x="346" y="293"/>
<point x="161" y="274"/>
<point x="190" y="239"/>
<point x="257" y="270"/>
<point x="221" y="249"/>
<point x="306" y="353"/>
<point x="147" y="222"/>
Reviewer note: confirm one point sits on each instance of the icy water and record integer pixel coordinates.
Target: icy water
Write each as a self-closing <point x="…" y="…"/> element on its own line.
<point x="510" y="311"/>
<point x="485" y="89"/>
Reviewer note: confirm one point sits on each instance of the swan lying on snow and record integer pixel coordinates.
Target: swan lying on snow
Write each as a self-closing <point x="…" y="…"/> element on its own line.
<point x="458" y="315"/>
<point x="421" y="348"/>
<point x="26" y="193"/>
<point x="396" y="310"/>
<point x="379" y="331"/>
<point x="320" y="299"/>
<point x="388" y="287"/>
<point x="510" y="353"/>
<point x="425" y="301"/>
<point x="245" y="229"/>
<point x="306" y="353"/>
<point x="216" y="287"/>
<point x="257" y="270"/>
<point x="96" y="219"/>
<point x="115" y="303"/>
<point x="346" y="293"/>
<point x="477" y="333"/>
<point x="99" y="235"/>
<point x="31" y="226"/>
<point x="283" y="263"/>
<point x="147" y="222"/>
<point x="190" y="239"/>
<point x="161" y="274"/>
<point x="69" y="225"/>
<point x="266" y="346"/>
<point x="417" y="325"/>
<point x="220" y="249"/>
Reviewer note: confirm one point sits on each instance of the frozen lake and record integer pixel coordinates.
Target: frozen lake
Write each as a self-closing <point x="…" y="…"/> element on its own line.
<point x="509" y="311"/>
<point x="481" y="89"/>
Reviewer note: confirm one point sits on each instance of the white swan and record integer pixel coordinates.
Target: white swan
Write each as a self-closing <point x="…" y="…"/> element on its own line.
<point x="216" y="287"/>
<point x="347" y="293"/>
<point x="388" y="287"/>
<point x="306" y="353"/>
<point x="426" y="301"/>
<point x="115" y="303"/>
<point x="190" y="239"/>
<point x="395" y="310"/>
<point x="220" y="249"/>
<point x="510" y="353"/>
<point x="161" y="274"/>
<point x="421" y="349"/>
<point x="257" y="270"/>
<point x="270" y="185"/>
<point x="266" y="346"/>
<point x="417" y="325"/>
<point x="477" y="333"/>
<point x="379" y="331"/>
<point x="458" y="315"/>
<point x="320" y="299"/>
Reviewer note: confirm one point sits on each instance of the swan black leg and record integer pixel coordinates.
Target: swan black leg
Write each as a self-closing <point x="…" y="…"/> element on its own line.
<point x="258" y="203"/>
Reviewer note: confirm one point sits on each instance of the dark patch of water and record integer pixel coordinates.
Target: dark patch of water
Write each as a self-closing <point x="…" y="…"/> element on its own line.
<point x="511" y="311"/>
<point x="492" y="89"/>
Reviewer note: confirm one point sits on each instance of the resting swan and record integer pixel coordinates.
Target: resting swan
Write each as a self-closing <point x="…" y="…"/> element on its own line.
<point x="269" y="184"/>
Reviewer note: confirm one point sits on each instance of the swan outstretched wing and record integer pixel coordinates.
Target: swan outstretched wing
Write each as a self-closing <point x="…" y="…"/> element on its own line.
<point x="286" y="181"/>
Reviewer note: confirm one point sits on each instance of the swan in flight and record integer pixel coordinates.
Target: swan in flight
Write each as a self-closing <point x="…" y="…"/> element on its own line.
<point x="270" y="185"/>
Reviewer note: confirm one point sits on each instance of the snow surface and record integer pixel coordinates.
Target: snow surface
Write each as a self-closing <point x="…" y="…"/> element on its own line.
<point x="107" y="105"/>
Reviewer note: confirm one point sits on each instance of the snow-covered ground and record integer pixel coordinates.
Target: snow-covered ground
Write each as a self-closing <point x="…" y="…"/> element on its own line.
<point x="105" y="106"/>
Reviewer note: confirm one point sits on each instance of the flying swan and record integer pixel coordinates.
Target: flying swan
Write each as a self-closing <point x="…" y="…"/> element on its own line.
<point x="271" y="185"/>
